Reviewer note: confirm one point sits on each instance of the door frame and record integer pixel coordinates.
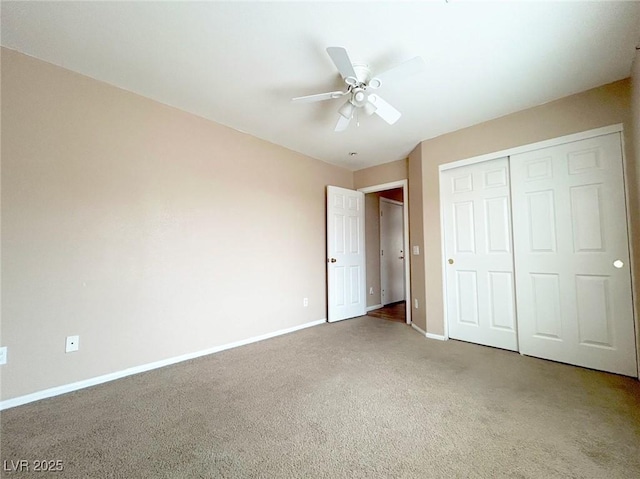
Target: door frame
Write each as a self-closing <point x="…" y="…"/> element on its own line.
<point x="616" y="128"/>
<point x="404" y="265"/>
<point x="404" y="184"/>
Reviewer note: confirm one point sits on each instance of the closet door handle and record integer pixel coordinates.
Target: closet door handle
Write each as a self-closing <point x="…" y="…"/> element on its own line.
<point x="450" y="261"/>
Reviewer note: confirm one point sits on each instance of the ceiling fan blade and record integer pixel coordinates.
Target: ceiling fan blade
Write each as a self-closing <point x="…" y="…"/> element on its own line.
<point x="342" y="62"/>
<point x="342" y="124"/>
<point x="319" y="97"/>
<point x="405" y="69"/>
<point x="384" y="110"/>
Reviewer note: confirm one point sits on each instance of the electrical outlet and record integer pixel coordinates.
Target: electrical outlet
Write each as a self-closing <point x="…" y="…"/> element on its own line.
<point x="3" y="355"/>
<point x="72" y="344"/>
<point x="371" y="290"/>
<point x="415" y="303"/>
<point x="305" y="302"/>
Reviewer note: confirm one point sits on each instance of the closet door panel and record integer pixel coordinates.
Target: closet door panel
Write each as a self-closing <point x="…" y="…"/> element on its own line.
<point x="478" y="254"/>
<point x="569" y="229"/>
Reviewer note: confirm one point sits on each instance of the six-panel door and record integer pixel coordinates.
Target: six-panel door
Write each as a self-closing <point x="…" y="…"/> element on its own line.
<point x="478" y="254"/>
<point x="573" y="283"/>
<point x="345" y="251"/>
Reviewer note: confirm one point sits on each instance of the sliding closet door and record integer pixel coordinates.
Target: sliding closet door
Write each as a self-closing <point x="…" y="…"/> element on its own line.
<point x="478" y="254"/>
<point x="573" y="283"/>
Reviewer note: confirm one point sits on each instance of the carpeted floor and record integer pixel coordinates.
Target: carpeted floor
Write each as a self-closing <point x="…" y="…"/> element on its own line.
<point x="360" y="398"/>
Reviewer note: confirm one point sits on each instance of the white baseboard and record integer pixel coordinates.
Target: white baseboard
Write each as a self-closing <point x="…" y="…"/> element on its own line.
<point x="439" y="337"/>
<point x="421" y="331"/>
<point x="66" y="388"/>
<point x="375" y="306"/>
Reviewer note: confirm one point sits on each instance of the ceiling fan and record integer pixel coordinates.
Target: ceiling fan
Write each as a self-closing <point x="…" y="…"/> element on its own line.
<point x="360" y="82"/>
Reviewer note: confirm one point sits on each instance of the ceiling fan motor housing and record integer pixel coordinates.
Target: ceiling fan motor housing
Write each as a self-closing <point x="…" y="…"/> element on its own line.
<point x="358" y="85"/>
<point x="362" y="78"/>
<point x="362" y="72"/>
<point x="359" y="96"/>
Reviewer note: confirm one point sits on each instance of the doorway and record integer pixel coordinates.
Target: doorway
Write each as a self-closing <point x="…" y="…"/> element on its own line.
<point x="391" y="247"/>
<point x="387" y="283"/>
<point x="392" y="312"/>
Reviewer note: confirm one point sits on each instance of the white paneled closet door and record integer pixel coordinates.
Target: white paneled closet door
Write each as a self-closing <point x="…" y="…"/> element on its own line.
<point x="573" y="283"/>
<point x="478" y="254"/>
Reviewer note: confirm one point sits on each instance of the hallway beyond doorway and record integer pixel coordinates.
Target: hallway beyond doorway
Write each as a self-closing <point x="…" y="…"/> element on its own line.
<point x="391" y="312"/>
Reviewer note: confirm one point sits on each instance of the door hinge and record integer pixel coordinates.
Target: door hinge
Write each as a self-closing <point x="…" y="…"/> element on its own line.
<point x="381" y="252"/>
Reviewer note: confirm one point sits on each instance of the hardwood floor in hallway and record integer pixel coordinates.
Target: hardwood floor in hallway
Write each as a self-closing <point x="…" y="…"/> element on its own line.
<point x="391" y="312"/>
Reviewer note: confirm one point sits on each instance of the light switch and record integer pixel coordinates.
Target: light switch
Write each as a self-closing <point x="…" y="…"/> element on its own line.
<point x="416" y="250"/>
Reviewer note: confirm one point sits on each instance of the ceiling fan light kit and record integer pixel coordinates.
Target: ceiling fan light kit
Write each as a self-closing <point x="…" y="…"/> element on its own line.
<point x="359" y="82"/>
<point x="346" y="110"/>
<point x="370" y="108"/>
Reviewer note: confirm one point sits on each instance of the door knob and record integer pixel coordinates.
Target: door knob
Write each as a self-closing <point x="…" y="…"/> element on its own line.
<point x="618" y="264"/>
<point x="400" y="257"/>
<point x="450" y="261"/>
<point x="333" y="260"/>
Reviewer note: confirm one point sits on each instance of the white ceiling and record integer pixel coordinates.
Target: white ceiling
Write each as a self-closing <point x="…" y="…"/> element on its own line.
<point x="240" y="63"/>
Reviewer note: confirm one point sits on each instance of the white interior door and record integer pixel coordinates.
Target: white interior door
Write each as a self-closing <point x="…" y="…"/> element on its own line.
<point x="572" y="258"/>
<point x="345" y="250"/>
<point x="478" y="254"/>
<point x="391" y="251"/>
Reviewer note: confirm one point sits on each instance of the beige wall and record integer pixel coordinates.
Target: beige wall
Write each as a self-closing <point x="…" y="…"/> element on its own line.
<point x="603" y="106"/>
<point x="381" y="174"/>
<point x="117" y="223"/>
<point x="416" y="238"/>
<point x="633" y="167"/>
<point x="149" y="232"/>
<point x="635" y="111"/>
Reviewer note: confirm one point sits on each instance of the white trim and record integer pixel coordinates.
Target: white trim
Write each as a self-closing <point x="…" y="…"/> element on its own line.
<point x="66" y="388"/>
<point x="636" y="313"/>
<point x="407" y="269"/>
<point x="439" y="337"/>
<point x="393" y="202"/>
<point x="534" y="146"/>
<point x="383" y="270"/>
<point x="445" y="312"/>
<point x="385" y="186"/>
<point x="421" y="331"/>
<point x="375" y="306"/>
<point x="404" y="184"/>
